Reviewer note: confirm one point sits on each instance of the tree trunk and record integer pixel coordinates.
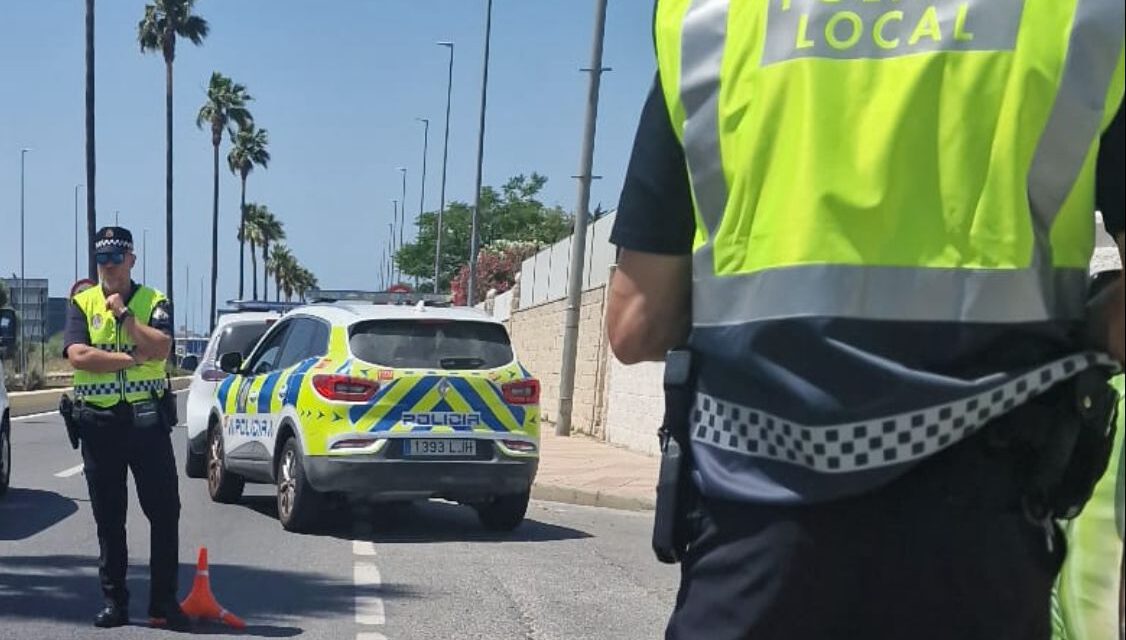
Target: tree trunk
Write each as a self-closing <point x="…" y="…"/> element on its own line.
<point x="277" y="287"/>
<point x="254" y="268"/>
<point x="168" y="203"/>
<point x="214" y="237"/>
<point x="91" y="164"/>
<point x="242" y="240"/>
<point x="266" y="271"/>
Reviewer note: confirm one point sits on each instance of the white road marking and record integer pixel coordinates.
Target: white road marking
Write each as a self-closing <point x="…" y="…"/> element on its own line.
<point x="363" y="548"/>
<point x="370" y="635"/>
<point x="66" y="473"/>
<point x="369" y="608"/>
<point x="32" y="416"/>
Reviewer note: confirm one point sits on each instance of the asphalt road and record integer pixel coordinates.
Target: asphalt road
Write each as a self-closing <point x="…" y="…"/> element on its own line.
<point x="372" y="572"/>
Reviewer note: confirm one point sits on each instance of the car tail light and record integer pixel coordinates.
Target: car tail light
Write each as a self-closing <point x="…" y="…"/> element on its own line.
<point x="342" y="388"/>
<point x="522" y="392"/>
<point x="211" y="374"/>
<point x="523" y="446"/>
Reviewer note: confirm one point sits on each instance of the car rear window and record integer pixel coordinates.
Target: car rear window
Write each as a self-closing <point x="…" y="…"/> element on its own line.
<point x="431" y="344"/>
<point x="240" y="337"/>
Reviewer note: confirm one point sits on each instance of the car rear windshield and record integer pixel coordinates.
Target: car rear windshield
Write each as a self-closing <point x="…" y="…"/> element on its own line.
<point x="431" y="344"/>
<point x="240" y="337"/>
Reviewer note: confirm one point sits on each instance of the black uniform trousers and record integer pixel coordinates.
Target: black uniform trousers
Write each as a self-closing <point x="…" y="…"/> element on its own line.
<point x="943" y="553"/>
<point x="110" y="446"/>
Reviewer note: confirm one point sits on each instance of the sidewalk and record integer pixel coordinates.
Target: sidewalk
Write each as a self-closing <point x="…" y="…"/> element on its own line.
<point x="581" y="470"/>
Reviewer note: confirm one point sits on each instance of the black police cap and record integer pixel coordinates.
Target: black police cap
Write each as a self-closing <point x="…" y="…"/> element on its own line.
<point x="113" y="240"/>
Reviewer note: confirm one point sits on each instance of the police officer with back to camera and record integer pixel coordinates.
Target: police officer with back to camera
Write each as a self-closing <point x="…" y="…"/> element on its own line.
<point x="118" y="337"/>
<point x="871" y="223"/>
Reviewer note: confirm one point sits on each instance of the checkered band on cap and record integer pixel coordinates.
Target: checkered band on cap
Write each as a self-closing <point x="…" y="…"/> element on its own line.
<point x="113" y="243"/>
<point x="877" y="442"/>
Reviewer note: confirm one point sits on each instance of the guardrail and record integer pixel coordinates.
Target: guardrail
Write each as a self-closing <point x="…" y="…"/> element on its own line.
<point x="28" y="402"/>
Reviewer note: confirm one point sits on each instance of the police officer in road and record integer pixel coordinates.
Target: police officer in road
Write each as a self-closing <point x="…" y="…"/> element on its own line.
<point x="118" y="337"/>
<point x="870" y="223"/>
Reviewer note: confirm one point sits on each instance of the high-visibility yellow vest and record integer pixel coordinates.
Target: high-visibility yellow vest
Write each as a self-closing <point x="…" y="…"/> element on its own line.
<point x="868" y="165"/>
<point x="130" y="385"/>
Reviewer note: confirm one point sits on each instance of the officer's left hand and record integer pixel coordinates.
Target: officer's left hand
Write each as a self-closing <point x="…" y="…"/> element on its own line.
<point x="115" y="304"/>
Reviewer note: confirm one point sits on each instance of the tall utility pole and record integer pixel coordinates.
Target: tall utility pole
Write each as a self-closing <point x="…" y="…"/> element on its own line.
<point x="391" y="243"/>
<point x="76" y="188"/>
<point x="91" y="216"/>
<point x="471" y="297"/>
<point x="578" y="241"/>
<point x="445" y="160"/>
<point x="425" y="150"/>
<point x="402" y="216"/>
<point x="23" y="279"/>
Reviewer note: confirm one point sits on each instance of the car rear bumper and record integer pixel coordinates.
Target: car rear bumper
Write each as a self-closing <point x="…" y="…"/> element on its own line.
<point x="381" y="475"/>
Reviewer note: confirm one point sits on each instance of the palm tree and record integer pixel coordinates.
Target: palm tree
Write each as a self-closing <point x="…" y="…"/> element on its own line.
<point x="270" y="231"/>
<point x="282" y="264"/>
<point x="249" y="149"/>
<point x="226" y="103"/>
<point x="251" y="233"/>
<point x="91" y="165"/>
<point x="304" y="281"/>
<point x="163" y="22"/>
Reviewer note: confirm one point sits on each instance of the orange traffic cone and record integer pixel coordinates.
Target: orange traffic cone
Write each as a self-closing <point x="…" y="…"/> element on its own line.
<point x="201" y="604"/>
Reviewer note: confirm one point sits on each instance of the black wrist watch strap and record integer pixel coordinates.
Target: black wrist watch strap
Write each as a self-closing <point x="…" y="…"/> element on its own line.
<point x="124" y="316"/>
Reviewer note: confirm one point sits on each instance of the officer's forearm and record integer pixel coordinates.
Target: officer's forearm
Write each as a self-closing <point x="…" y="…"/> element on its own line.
<point x="86" y="358"/>
<point x="152" y="344"/>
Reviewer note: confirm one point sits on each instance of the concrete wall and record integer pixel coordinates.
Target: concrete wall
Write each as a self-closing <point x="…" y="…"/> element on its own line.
<point x="537" y="336"/>
<point x="635" y="405"/>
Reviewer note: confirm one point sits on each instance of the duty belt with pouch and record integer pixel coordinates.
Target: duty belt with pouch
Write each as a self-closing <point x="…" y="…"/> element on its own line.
<point x="66" y="410"/>
<point x="675" y="493"/>
<point x="147" y="414"/>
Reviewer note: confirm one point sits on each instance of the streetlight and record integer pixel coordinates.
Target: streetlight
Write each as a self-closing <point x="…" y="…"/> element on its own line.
<point x="23" y="276"/>
<point x="445" y="160"/>
<point x="403" y="212"/>
<point x="425" y="149"/>
<point x="76" y="188"/>
<point x="145" y="256"/>
<point x="471" y="297"/>
<point x="391" y="240"/>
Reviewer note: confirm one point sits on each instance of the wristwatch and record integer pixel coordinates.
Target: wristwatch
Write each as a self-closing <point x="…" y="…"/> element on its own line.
<point x="124" y="316"/>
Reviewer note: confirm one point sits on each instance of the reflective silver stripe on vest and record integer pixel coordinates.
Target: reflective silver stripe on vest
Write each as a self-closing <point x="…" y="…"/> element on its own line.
<point x="1076" y="118"/>
<point x="702" y="45"/>
<point x="889" y="293"/>
<point x="876" y="442"/>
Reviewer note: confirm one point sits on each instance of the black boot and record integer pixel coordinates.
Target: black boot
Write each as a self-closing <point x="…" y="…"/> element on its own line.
<point x="112" y="615"/>
<point x="169" y="616"/>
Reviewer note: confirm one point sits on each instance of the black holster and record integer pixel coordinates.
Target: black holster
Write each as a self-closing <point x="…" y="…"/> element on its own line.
<point x="676" y="495"/>
<point x="1074" y="451"/>
<point x="66" y="410"/>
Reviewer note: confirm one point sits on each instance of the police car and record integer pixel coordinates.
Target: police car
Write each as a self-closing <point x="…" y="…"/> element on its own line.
<point x="391" y="402"/>
<point x="237" y="331"/>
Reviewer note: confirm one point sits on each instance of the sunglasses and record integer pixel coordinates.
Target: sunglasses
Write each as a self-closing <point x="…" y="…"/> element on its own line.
<point x="107" y="258"/>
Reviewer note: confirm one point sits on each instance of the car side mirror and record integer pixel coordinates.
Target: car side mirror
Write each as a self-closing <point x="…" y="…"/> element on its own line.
<point x="230" y="362"/>
<point x="190" y="362"/>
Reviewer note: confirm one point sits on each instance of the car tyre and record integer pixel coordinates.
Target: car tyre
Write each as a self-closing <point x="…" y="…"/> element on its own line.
<point x="503" y="513"/>
<point x="222" y="485"/>
<point x="195" y="464"/>
<point x="299" y="503"/>
<point x="5" y="455"/>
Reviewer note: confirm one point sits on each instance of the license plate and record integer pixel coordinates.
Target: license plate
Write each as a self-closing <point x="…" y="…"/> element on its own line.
<point x="440" y="447"/>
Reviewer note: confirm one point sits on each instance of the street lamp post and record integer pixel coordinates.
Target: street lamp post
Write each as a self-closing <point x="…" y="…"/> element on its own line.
<point x="391" y="242"/>
<point x="445" y="160"/>
<point x="76" y="188"/>
<point x="145" y="257"/>
<point x="471" y="297"/>
<point x="23" y="276"/>
<point x="425" y="150"/>
<point x="402" y="214"/>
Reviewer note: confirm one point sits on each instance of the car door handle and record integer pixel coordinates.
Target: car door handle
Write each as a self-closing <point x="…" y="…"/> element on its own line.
<point x="253" y="397"/>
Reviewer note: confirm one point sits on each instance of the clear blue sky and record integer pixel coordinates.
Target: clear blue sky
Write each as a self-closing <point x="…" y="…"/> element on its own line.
<point x="338" y="86"/>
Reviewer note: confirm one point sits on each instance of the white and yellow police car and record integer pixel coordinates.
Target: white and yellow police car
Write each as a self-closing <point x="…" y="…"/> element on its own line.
<point x="390" y="402"/>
